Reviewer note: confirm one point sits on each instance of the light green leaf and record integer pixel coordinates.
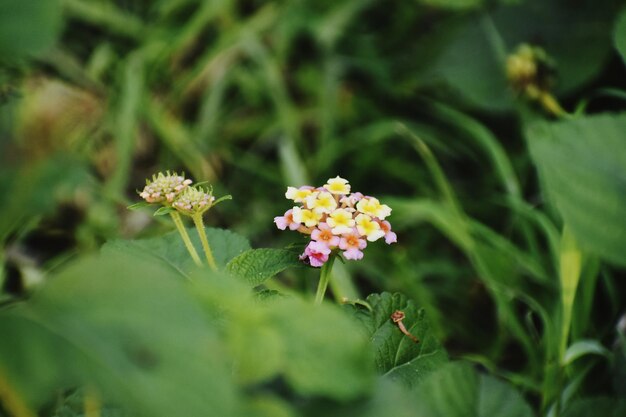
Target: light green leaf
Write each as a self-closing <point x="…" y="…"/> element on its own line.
<point x="619" y="35"/>
<point x="257" y="265"/>
<point x="317" y="351"/>
<point x="325" y="353"/>
<point x="457" y="390"/>
<point x="28" y="27"/>
<point x="169" y="249"/>
<point x="601" y="406"/>
<point x="396" y="355"/>
<point x="582" y="164"/>
<point x="125" y="326"/>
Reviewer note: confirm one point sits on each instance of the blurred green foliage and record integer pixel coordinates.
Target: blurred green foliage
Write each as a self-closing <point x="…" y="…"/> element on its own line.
<point x="511" y="224"/>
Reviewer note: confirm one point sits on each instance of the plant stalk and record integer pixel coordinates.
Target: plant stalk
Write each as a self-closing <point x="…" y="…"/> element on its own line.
<point x="185" y="236"/>
<point x="197" y="220"/>
<point x="324" y="278"/>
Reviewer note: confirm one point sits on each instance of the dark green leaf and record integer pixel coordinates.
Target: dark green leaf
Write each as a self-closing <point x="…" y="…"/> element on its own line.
<point x="603" y="406"/>
<point x="28" y="27"/>
<point x="396" y="355"/>
<point x="582" y="164"/>
<point x="457" y="390"/>
<point x="257" y="265"/>
<point x="453" y="4"/>
<point x="619" y="36"/>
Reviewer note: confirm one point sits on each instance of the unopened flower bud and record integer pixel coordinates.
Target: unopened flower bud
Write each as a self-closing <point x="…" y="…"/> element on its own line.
<point x="164" y="188"/>
<point x="194" y="200"/>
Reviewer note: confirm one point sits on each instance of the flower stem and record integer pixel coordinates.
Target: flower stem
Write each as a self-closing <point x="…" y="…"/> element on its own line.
<point x="197" y="220"/>
<point x="185" y="236"/>
<point x="324" y="278"/>
<point x="551" y="105"/>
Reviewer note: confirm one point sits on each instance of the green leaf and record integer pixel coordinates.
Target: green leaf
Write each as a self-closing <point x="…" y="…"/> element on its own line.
<point x="396" y="355"/>
<point x="162" y="211"/>
<point x="457" y="390"/>
<point x="582" y="163"/>
<point x="169" y="249"/>
<point x="473" y="65"/>
<point x="125" y="326"/>
<point x="577" y="38"/>
<point x="257" y="265"/>
<point x="619" y="35"/>
<point x="581" y="348"/>
<point x="324" y="352"/>
<point x="28" y="27"/>
<point x="602" y="406"/>
<point x="453" y="4"/>
<point x="388" y="399"/>
<point x="317" y="351"/>
<point x="138" y="206"/>
<point x="31" y="191"/>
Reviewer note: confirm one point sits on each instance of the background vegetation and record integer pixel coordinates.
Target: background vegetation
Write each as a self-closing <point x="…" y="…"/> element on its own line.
<point x="511" y="217"/>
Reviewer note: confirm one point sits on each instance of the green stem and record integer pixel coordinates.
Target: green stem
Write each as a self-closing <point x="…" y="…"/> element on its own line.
<point x="197" y="220"/>
<point x="324" y="278"/>
<point x="185" y="236"/>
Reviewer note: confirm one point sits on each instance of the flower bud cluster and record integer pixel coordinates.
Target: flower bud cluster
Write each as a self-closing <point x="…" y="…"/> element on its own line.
<point x="336" y="219"/>
<point x="173" y="190"/>
<point x="529" y="71"/>
<point x="164" y="188"/>
<point x="193" y="200"/>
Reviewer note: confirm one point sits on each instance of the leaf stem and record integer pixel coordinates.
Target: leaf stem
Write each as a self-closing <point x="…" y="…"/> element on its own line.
<point x="324" y="278"/>
<point x="185" y="236"/>
<point x="197" y="220"/>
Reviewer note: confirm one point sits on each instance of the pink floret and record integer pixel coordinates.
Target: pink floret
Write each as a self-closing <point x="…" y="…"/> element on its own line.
<point x="317" y="253"/>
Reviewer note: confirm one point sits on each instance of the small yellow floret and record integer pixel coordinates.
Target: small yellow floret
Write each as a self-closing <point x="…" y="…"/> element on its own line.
<point x="372" y="207"/>
<point x="337" y="185"/>
<point x="369" y="228"/>
<point x="340" y="221"/>
<point x="321" y="202"/>
<point x="310" y="218"/>
<point x="297" y="195"/>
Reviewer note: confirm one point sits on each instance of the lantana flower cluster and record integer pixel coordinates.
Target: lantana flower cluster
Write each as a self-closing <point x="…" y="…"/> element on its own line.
<point x="336" y="219"/>
<point x="173" y="190"/>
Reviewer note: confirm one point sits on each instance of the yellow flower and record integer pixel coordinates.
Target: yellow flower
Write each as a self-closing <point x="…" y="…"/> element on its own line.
<point x="321" y="202"/>
<point x="340" y="221"/>
<point x="337" y="185"/>
<point x="310" y="218"/>
<point x="372" y="207"/>
<point x="298" y="194"/>
<point x="368" y="228"/>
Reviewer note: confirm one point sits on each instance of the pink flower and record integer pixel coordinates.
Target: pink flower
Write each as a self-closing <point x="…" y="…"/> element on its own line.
<point x="282" y="222"/>
<point x="317" y="253"/>
<point x="390" y="237"/>
<point x="324" y="234"/>
<point x="351" y="245"/>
